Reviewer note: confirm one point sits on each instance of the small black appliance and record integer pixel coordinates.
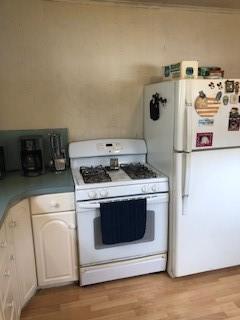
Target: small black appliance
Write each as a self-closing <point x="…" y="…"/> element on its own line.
<point x="32" y="159"/>
<point x="2" y="164"/>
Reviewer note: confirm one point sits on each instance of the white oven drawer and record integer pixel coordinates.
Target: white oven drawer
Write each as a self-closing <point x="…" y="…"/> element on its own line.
<point x="53" y="203"/>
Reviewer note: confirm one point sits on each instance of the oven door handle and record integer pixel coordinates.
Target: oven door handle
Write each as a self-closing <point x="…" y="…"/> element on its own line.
<point x="88" y="206"/>
<point x="96" y="205"/>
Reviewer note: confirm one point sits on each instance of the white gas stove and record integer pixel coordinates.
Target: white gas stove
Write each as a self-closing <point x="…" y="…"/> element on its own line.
<point x="111" y="171"/>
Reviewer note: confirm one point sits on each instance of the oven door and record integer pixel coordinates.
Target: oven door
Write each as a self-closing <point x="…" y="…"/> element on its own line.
<point x="92" y="251"/>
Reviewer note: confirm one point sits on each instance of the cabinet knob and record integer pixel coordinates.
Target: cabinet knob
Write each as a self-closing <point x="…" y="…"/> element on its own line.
<point x="6" y="273"/>
<point x="13" y="224"/>
<point x="3" y="244"/>
<point x="10" y="304"/>
<point x="55" y="204"/>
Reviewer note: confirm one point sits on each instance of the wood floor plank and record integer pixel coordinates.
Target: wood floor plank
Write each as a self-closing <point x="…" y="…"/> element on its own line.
<point x="209" y="296"/>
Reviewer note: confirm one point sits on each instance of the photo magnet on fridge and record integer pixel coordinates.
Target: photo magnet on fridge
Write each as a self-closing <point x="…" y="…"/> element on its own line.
<point x="234" y="120"/>
<point x="229" y="86"/>
<point x="204" y="139"/>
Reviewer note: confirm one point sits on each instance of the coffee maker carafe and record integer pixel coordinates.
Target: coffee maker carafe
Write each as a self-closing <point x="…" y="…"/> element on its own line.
<point x="32" y="155"/>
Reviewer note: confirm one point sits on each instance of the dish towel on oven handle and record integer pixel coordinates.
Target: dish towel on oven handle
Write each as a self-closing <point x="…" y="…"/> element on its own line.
<point x="123" y="221"/>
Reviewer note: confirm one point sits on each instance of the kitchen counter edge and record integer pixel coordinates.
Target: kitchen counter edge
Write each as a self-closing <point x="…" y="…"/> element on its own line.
<point x="16" y="187"/>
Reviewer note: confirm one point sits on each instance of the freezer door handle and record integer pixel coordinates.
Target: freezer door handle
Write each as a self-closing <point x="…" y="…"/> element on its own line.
<point x="189" y="110"/>
<point x="187" y="171"/>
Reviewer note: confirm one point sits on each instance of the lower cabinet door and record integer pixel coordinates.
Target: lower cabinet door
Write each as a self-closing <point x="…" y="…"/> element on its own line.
<point x="19" y="221"/>
<point x="11" y="309"/>
<point x="55" y="247"/>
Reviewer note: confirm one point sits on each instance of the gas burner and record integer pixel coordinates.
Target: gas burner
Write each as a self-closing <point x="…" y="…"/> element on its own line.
<point x="138" y="171"/>
<point x="94" y="174"/>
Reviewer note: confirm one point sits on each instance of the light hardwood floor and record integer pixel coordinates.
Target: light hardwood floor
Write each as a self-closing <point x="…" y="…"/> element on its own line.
<point x="209" y="296"/>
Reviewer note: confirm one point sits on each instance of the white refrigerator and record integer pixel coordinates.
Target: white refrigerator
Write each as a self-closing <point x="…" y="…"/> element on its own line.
<point x="192" y="132"/>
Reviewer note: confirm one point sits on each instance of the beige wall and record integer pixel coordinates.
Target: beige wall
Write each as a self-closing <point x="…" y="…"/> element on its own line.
<point x="84" y="67"/>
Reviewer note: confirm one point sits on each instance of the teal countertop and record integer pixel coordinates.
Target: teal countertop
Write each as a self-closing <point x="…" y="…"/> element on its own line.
<point x="16" y="187"/>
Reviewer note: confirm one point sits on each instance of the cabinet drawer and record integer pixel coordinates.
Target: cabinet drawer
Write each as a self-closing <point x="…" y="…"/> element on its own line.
<point x="53" y="203"/>
<point x="5" y="279"/>
<point x="3" y="244"/>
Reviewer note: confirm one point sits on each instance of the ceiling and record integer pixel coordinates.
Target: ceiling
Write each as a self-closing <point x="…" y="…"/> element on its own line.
<point x="220" y="4"/>
<point x="223" y="4"/>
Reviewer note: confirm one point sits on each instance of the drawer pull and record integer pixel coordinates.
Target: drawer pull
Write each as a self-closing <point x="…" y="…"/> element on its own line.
<point x="3" y="244"/>
<point x="7" y="274"/>
<point x="71" y="227"/>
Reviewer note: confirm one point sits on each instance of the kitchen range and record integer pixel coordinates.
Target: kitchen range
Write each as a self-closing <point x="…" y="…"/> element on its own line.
<point x="122" y="210"/>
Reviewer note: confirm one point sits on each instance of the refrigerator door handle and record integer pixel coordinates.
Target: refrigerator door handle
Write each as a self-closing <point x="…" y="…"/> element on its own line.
<point x="189" y="128"/>
<point x="186" y="183"/>
<point x="187" y="171"/>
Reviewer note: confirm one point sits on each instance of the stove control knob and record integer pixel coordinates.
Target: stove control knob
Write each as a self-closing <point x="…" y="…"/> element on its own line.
<point x="92" y="194"/>
<point x="103" y="193"/>
<point x="144" y="189"/>
<point x="154" y="188"/>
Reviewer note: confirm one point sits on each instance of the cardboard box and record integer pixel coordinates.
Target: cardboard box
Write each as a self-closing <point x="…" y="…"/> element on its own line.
<point x="181" y="70"/>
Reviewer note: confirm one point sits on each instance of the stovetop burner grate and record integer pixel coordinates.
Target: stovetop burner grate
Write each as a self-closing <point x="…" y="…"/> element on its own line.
<point x="138" y="171"/>
<point x="95" y="174"/>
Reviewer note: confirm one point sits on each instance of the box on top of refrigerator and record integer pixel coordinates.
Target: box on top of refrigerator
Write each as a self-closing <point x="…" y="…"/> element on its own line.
<point x="181" y="70"/>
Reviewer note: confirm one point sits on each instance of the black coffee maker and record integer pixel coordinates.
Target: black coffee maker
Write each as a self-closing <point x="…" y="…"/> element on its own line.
<point x="32" y="155"/>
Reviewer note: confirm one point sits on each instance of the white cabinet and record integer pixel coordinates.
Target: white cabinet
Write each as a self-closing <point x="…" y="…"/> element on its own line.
<point x="55" y="247"/>
<point x="9" y="289"/>
<point x="19" y="224"/>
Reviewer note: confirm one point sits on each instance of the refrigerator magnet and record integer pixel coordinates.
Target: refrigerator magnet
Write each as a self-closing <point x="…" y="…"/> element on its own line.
<point x="234" y="120"/>
<point x="229" y="86"/>
<point x="204" y="139"/>
<point x="207" y="106"/>
<point x="219" y="96"/>
<point x="211" y="85"/>
<point x="205" y="122"/>
<point x="233" y="99"/>
<point x="236" y="87"/>
<point x="155" y="107"/>
<point x="225" y="100"/>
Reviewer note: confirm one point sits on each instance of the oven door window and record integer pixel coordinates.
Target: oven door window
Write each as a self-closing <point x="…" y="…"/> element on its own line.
<point x="148" y="236"/>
